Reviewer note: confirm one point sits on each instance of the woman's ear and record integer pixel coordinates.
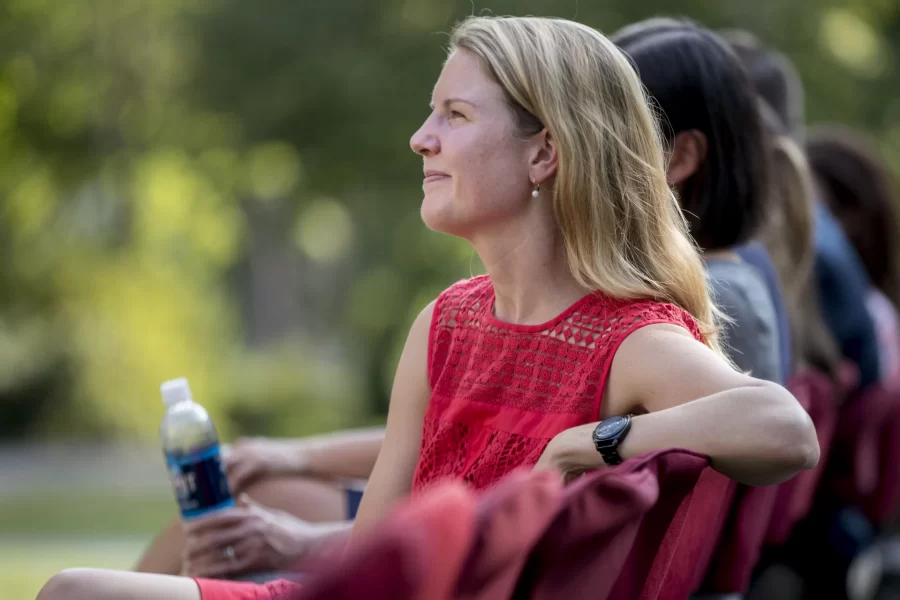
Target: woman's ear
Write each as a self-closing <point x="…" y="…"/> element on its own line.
<point x="688" y="153"/>
<point x="544" y="157"/>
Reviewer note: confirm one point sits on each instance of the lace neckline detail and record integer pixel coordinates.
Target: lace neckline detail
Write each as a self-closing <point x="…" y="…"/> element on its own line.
<point x="493" y="321"/>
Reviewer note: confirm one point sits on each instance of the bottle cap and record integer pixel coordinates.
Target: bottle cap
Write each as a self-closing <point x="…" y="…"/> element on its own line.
<point x="175" y="391"/>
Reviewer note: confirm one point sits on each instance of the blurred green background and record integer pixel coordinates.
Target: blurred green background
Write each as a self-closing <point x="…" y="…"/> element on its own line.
<point x="223" y="190"/>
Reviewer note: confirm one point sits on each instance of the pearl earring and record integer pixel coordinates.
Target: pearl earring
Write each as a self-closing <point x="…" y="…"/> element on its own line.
<point x="536" y="191"/>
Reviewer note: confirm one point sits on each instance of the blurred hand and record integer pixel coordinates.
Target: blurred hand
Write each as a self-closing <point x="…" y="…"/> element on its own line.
<point x="245" y="539"/>
<point x="249" y="459"/>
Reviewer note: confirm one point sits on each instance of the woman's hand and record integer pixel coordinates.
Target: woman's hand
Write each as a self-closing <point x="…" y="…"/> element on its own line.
<point x="250" y="459"/>
<point x="247" y="538"/>
<point x="558" y="456"/>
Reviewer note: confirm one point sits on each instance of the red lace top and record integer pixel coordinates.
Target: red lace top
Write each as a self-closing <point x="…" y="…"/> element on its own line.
<point x="501" y="392"/>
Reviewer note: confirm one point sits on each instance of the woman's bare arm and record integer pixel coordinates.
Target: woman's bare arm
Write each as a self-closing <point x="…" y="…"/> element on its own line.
<point x="393" y="473"/>
<point x="687" y="397"/>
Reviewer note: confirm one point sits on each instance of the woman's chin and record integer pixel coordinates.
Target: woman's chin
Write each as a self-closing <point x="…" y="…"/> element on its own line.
<point x="439" y="217"/>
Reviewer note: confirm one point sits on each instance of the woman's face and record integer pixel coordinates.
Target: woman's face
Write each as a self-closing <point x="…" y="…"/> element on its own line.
<point x="476" y="167"/>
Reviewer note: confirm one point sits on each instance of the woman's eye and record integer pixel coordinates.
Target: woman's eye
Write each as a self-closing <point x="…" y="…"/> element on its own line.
<point x="455" y="114"/>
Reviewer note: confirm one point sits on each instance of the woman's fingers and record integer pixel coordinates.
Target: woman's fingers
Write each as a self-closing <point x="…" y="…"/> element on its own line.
<point x="229" y="517"/>
<point x="214" y="541"/>
<point x="244" y="556"/>
<point x="241" y="473"/>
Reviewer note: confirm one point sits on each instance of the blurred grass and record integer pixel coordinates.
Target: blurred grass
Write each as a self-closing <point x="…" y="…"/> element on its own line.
<point x="47" y="530"/>
<point x="105" y="513"/>
<point x="26" y="564"/>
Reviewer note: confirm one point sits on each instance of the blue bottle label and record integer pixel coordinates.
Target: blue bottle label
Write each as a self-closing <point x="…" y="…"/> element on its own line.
<point x="199" y="482"/>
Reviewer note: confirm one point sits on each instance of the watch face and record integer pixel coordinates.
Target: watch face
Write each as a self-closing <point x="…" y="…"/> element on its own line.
<point x="610" y="428"/>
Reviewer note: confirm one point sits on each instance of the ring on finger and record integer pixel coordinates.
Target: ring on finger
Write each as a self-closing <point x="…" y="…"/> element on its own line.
<point x="229" y="554"/>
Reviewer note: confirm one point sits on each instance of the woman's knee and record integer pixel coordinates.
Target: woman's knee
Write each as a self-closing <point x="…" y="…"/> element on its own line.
<point x="310" y="499"/>
<point x="100" y="584"/>
<point x="73" y="584"/>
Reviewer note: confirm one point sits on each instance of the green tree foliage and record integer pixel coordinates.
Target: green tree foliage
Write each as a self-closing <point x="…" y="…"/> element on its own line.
<point x="224" y="190"/>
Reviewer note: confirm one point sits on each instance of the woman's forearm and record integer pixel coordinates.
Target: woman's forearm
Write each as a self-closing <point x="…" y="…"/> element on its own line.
<point x="326" y="536"/>
<point x="757" y="435"/>
<point x="347" y="454"/>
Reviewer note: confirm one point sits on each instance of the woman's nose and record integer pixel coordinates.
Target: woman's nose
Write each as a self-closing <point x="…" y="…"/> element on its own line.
<point x="425" y="142"/>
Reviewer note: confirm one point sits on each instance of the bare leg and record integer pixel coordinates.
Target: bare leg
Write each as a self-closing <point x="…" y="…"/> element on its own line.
<point x="313" y="500"/>
<point x="97" y="584"/>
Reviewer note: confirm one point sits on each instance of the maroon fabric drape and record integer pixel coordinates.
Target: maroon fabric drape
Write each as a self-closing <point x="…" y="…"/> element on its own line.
<point x="819" y="396"/>
<point x="416" y="554"/>
<point x="619" y="532"/>
<point x="640" y="530"/>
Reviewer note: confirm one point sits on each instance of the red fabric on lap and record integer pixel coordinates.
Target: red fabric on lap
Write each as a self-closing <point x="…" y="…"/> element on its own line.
<point x="217" y="589"/>
<point x="416" y="554"/>
<point x="511" y="517"/>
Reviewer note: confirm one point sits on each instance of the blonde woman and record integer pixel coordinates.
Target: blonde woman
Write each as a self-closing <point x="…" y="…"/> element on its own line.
<point x="542" y="152"/>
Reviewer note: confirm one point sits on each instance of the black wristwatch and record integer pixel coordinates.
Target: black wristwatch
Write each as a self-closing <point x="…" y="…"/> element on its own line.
<point x="608" y="435"/>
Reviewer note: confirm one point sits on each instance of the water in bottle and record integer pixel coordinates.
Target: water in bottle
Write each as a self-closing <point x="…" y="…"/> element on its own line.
<point x="191" y="448"/>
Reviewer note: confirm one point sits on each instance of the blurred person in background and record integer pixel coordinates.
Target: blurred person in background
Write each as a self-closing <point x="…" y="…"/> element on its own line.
<point x="541" y="151"/>
<point x="757" y="254"/>
<point x="718" y="165"/>
<point x="834" y="535"/>
<point x="859" y="190"/>
<point x="787" y="234"/>
<point x="841" y="280"/>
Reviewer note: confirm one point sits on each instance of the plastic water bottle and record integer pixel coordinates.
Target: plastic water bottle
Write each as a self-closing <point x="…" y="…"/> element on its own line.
<point x="191" y="448"/>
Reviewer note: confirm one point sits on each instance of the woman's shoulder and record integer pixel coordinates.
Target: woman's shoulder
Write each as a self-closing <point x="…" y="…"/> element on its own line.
<point x="466" y="294"/>
<point x="467" y="286"/>
<point x="627" y="315"/>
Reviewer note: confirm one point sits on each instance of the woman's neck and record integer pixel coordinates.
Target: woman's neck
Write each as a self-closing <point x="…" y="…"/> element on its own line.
<point x="530" y="275"/>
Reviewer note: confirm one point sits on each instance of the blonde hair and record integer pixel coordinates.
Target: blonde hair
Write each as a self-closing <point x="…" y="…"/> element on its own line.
<point x="623" y="231"/>
<point x="787" y="235"/>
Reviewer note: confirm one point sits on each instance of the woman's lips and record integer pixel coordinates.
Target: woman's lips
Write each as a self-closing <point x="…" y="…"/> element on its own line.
<point x="432" y="176"/>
